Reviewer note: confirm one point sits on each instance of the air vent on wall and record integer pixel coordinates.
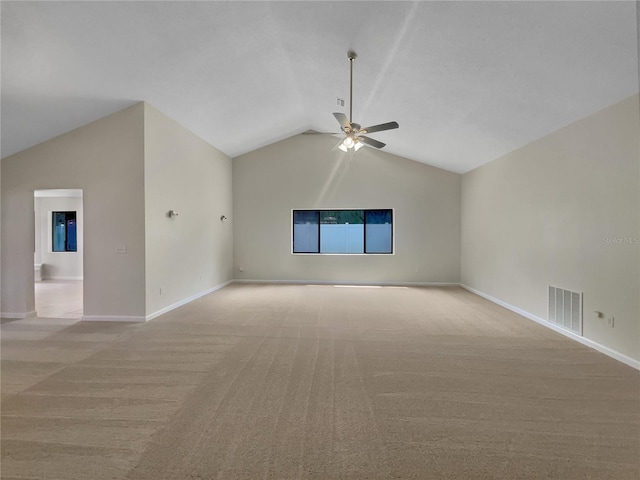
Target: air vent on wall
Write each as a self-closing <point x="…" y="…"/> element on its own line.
<point x="565" y="309"/>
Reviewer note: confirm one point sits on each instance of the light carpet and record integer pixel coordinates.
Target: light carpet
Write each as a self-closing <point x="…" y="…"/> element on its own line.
<point x="315" y="382"/>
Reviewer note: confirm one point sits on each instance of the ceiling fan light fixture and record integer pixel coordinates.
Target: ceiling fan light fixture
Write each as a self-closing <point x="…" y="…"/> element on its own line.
<point x="348" y="142"/>
<point x="358" y="145"/>
<point x="343" y="148"/>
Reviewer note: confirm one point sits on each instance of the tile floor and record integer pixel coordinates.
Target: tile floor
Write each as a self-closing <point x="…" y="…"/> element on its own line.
<point x="59" y="298"/>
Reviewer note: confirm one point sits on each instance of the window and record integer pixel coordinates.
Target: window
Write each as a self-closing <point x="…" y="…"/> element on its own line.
<point x="65" y="238"/>
<point x="343" y="231"/>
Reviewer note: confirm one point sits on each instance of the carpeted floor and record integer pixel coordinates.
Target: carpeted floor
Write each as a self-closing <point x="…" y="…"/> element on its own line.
<point x="293" y="382"/>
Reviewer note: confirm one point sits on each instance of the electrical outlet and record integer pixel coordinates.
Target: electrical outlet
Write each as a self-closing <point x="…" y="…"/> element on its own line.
<point x="611" y="321"/>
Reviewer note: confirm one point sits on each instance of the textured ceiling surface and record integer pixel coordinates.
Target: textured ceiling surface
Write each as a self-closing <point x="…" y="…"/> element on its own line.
<point x="467" y="81"/>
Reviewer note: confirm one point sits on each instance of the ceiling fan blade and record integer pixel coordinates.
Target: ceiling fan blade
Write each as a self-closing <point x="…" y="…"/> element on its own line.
<point x="381" y="127"/>
<point x="371" y="142"/>
<point x="342" y="120"/>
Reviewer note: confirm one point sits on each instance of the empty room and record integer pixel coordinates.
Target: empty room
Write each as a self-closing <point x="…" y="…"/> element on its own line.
<point x="320" y="240"/>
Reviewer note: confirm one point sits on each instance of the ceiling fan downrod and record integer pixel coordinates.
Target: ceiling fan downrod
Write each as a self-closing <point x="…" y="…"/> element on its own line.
<point x="351" y="55"/>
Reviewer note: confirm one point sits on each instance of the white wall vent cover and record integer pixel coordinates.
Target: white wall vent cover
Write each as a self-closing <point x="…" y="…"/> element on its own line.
<point x="565" y="309"/>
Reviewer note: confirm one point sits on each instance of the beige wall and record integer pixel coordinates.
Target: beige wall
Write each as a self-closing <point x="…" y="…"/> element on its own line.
<point x="302" y="172"/>
<point x="192" y="253"/>
<point x="563" y="211"/>
<point x="57" y="265"/>
<point x="133" y="167"/>
<point x="1" y="286"/>
<point x="105" y="159"/>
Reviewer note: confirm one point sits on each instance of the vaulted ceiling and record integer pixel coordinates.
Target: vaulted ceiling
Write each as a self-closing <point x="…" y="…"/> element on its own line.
<point x="467" y="81"/>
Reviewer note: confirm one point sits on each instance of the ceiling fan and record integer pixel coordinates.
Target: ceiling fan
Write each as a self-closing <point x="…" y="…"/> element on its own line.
<point x="354" y="134"/>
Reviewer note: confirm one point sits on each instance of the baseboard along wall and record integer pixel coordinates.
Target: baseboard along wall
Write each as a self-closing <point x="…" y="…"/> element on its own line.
<point x="173" y="306"/>
<point x="584" y="341"/>
<point x="349" y="284"/>
<point x="18" y="314"/>
<point x="112" y="318"/>
<point x="53" y="277"/>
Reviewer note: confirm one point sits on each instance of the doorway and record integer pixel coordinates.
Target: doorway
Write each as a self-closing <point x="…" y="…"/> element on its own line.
<point x="58" y="253"/>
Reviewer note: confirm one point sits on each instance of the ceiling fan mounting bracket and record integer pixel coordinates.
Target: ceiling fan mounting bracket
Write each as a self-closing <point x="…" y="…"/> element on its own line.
<point x="351" y="55"/>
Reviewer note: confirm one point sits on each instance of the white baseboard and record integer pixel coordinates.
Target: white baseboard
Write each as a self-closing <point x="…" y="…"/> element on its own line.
<point x="47" y="277"/>
<point x="111" y="318"/>
<point x="347" y="284"/>
<point x="186" y="300"/>
<point x="123" y="318"/>
<point x="585" y="341"/>
<point x="30" y="314"/>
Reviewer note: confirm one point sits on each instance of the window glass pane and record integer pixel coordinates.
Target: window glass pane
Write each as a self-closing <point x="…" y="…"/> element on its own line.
<point x="379" y="231"/>
<point x="342" y="231"/>
<point x="59" y="231"/>
<point x="305" y="231"/>
<point x="352" y="217"/>
<point x="72" y="242"/>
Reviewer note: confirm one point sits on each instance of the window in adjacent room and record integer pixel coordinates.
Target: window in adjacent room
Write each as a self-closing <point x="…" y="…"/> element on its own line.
<point x="65" y="238"/>
<point x="343" y="231"/>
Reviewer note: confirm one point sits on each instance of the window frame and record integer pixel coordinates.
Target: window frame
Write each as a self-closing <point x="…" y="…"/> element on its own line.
<point x="69" y="214"/>
<point x="364" y="233"/>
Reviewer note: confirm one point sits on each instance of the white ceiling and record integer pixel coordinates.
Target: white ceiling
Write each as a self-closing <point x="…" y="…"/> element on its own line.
<point x="467" y="81"/>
